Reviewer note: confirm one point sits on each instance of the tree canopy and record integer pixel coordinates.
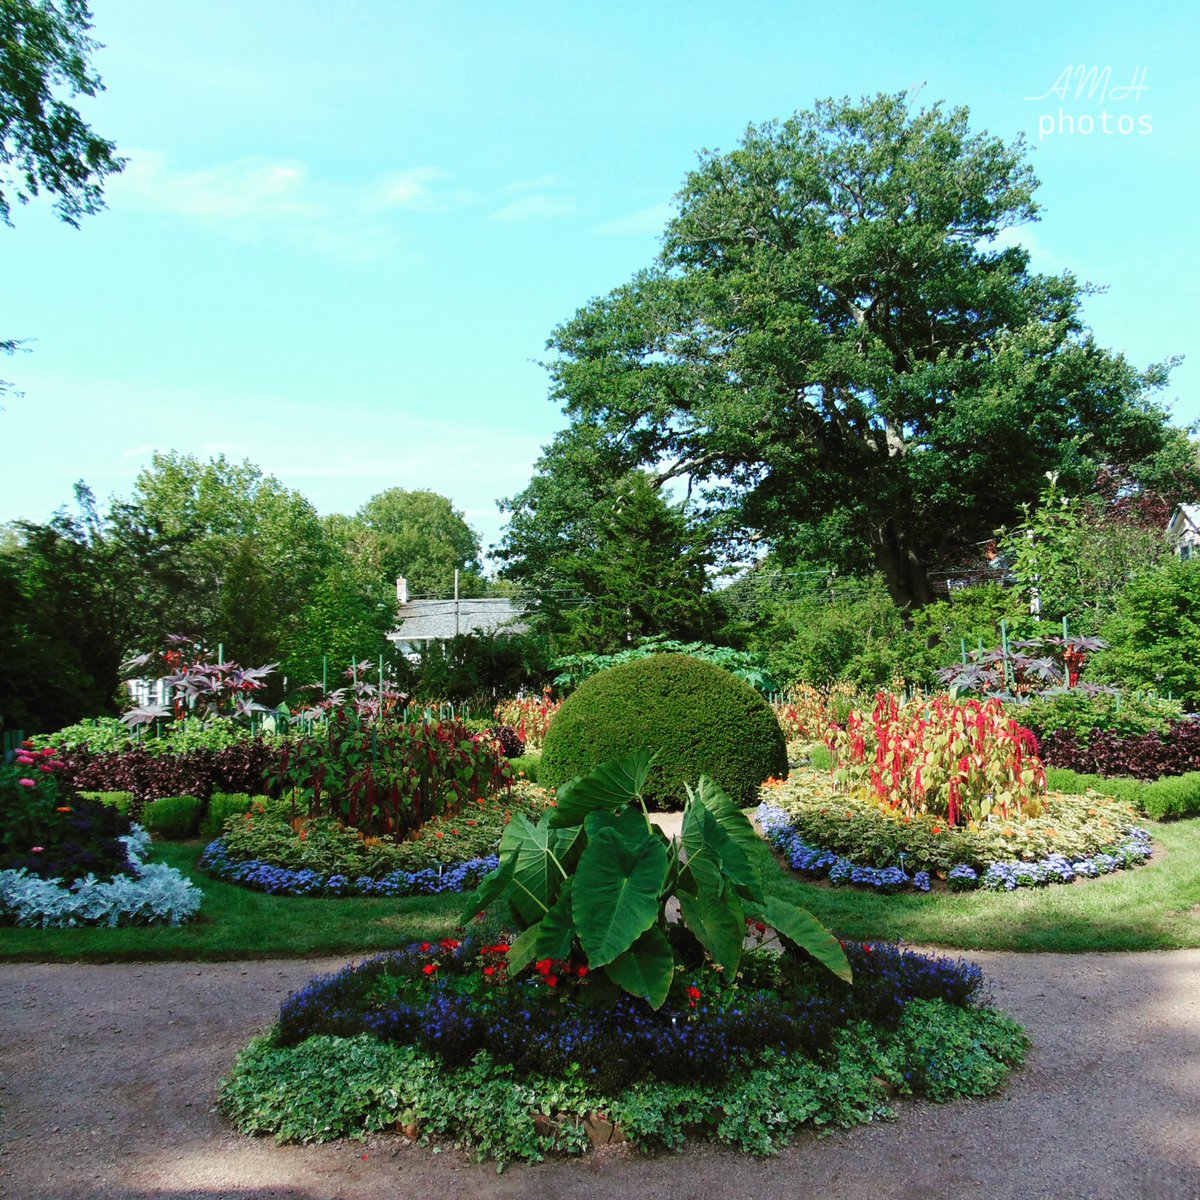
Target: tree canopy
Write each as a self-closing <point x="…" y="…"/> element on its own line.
<point x="423" y="537"/>
<point x="45" y="145"/>
<point x="831" y="327"/>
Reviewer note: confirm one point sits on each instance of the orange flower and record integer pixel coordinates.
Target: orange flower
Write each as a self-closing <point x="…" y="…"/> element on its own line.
<point x="937" y="829"/>
<point x="63" y="808"/>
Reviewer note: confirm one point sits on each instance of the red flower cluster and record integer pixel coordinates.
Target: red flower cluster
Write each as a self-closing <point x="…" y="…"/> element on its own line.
<point x="551" y="969"/>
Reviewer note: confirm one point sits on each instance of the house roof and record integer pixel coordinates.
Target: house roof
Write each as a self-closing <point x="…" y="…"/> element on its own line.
<point x="1185" y="518"/>
<point x="424" y="620"/>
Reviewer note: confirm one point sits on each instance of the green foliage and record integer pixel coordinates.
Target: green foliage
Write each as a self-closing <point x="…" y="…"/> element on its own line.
<point x="102" y="735"/>
<point x="173" y="816"/>
<point x="830" y="325"/>
<point x="481" y="665"/>
<point x="1082" y="714"/>
<point x="1154" y="635"/>
<point x="1074" y="783"/>
<point x="121" y="801"/>
<point x="603" y="555"/>
<point x="45" y="145"/>
<point x="329" y="1087"/>
<point x="968" y="616"/>
<point x="222" y="806"/>
<point x="573" y="669"/>
<point x="700" y="719"/>
<point x="858" y="828"/>
<point x="268" y="832"/>
<point x="1174" y="797"/>
<point x="1075" y="555"/>
<point x="526" y="766"/>
<point x="423" y="537"/>
<point x="386" y="778"/>
<point x="851" y="633"/>
<point x="596" y="873"/>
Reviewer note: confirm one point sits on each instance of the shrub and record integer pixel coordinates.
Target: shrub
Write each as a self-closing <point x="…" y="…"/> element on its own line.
<point x="121" y="801"/>
<point x="1175" y="797"/>
<point x="1084" y="713"/>
<point x="173" y="816"/>
<point x="240" y="767"/>
<point x="1144" y="756"/>
<point x="526" y="766"/>
<point x="221" y="807"/>
<point x="699" y="718"/>
<point x="1154" y="635"/>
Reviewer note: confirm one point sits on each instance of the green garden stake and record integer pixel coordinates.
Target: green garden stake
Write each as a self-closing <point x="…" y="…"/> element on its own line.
<point x="220" y="654"/>
<point x="963" y="644"/>
<point x="1065" y="633"/>
<point x="324" y="674"/>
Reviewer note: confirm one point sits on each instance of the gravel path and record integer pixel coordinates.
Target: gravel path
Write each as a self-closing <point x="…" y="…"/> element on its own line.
<point x="108" y="1073"/>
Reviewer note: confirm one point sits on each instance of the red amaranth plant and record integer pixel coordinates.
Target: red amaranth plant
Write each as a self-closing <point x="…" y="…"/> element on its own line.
<point x="957" y="762"/>
<point x="530" y="716"/>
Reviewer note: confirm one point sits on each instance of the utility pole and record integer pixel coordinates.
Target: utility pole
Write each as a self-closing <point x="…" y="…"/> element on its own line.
<point x="456" y="602"/>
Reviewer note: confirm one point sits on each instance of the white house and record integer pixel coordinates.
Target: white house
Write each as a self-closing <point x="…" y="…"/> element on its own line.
<point x="425" y="623"/>
<point x="1183" y="530"/>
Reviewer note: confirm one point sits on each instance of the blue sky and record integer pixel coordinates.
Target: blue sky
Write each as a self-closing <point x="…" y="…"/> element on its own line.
<point x="346" y="231"/>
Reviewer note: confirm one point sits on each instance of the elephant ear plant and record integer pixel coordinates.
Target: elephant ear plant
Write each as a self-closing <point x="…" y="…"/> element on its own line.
<point x="596" y="873"/>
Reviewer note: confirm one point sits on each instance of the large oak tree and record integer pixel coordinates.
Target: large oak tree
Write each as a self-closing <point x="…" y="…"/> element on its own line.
<point x="832" y="326"/>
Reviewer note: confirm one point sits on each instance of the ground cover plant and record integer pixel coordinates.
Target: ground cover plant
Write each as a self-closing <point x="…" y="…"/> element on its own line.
<point x="437" y="1040"/>
<point x="270" y="849"/>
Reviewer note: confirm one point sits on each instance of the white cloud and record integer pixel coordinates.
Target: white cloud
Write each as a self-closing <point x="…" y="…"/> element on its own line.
<point x="537" y="206"/>
<point x="645" y="220"/>
<point x="258" y="198"/>
<point x="1041" y="257"/>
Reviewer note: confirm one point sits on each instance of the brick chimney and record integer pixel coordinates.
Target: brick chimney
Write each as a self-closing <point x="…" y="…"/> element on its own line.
<point x="401" y="590"/>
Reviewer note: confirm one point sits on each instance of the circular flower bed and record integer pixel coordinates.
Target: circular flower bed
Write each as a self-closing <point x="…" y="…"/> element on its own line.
<point x="437" y="1041"/>
<point x="270" y="850"/>
<point x="67" y="860"/>
<point x="852" y="839"/>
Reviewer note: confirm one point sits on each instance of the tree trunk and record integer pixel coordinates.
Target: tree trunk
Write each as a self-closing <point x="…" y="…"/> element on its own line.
<point x="907" y="580"/>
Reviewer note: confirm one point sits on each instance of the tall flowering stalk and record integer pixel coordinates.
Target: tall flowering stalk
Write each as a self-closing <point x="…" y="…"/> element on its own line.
<point x="959" y="762"/>
<point x="530" y="716"/>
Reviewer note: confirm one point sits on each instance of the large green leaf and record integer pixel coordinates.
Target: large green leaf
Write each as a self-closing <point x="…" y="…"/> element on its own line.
<point x="610" y="787"/>
<point x="704" y="838"/>
<point x="719" y="923"/>
<point x="646" y="969"/>
<point x="551" y="937"/>
<point x="803" y="929"/>
<point x="737" y="827"/>
<point x="491" y="887"/>
<point x="630" y="821"/>
<point x="617" y="893"/>
<point x="536" y="852"/>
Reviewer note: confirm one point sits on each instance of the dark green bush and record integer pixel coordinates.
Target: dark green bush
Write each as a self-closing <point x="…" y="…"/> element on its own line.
<point x="699" y="718"/>
<point x="221" y="807"/>
<point x="527" y="765"/>
<point x="121" y="801"/>
<point x="173" y="816"/>
<point x="1177" y="796"/>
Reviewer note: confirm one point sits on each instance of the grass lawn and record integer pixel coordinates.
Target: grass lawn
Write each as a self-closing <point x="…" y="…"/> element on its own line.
<point x="235" y="922"/>
<point x="1154" y="907"/>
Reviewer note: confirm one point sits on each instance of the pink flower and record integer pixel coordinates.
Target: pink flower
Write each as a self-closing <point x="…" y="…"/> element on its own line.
<point x="36" y="849"/>
<point x="25" y="759"/>
<point x="26" y="783"/>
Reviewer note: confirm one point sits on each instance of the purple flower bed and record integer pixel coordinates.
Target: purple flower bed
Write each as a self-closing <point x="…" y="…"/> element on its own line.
<point x="281" y="881"/>
<point x="1132" y="849"/>
<point x="528" y="1026"/>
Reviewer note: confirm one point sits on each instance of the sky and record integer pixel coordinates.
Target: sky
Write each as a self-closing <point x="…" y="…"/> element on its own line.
<point x="346" y="231"/>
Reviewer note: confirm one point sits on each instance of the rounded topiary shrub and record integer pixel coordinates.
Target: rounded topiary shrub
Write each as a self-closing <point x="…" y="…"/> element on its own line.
<point x="701" y="719"/>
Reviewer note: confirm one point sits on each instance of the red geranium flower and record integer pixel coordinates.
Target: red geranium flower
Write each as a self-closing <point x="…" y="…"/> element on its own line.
<point x="430" y="968"/>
